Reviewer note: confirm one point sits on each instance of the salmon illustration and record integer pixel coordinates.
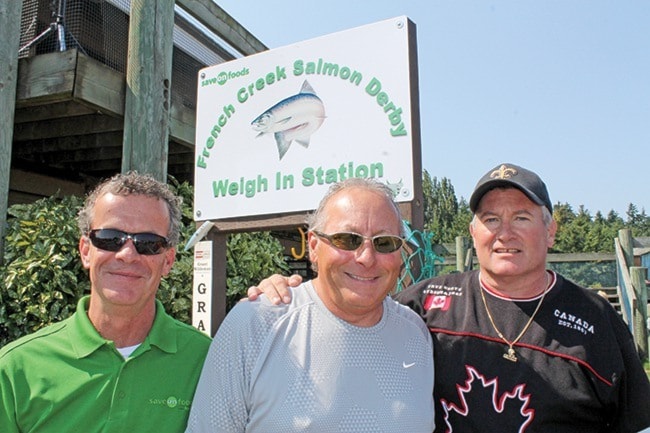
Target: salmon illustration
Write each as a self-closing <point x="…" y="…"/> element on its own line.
<point x="294" y="118"/>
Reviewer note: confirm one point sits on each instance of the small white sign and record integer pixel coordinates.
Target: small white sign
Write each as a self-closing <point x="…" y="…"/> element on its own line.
<point x="275" y="129"/>
<point x="202" y="290"/>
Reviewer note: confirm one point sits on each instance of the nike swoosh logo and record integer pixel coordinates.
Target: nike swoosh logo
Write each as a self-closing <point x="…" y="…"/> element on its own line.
<point x="405" y="365"/>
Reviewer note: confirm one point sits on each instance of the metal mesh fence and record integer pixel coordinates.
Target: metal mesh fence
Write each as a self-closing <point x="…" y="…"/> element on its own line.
<point x="100" y="29"/>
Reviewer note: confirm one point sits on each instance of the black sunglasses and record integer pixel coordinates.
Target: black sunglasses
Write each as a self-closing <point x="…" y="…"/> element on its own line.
<point x="346" y="241"/>
<point x="147" y="244"/>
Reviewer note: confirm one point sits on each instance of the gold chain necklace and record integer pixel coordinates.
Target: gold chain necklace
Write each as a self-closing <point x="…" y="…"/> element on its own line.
<point x="510" y="355"/>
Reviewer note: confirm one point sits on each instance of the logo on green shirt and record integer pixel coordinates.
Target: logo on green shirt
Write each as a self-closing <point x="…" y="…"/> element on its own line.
<point x="171" y="402"/>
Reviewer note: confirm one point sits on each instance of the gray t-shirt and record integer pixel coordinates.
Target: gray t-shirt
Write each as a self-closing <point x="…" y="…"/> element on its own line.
<point x="298" y="367"/>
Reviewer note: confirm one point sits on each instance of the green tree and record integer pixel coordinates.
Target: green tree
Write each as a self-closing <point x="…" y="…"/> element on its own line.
<point x="563" y="214"/>
<point x="637" y="221"/>
<point x="644" y="224"/>
<point x="633" y="217"/>
<point x="440" y="208"/>
<point x="572" y="234"/>
<point x="462" y="220"/>
<point x="608" y="230"/>
<point x="427" y="193"/>
<point x="614" y="218"/>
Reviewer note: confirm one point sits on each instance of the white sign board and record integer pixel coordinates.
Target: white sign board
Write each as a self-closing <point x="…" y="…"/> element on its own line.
<point x="202" y="291"/>
<point x="275" y="129"/>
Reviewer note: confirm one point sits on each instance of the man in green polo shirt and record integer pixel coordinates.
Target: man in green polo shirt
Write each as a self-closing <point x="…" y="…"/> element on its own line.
<point x="120" y="363"/>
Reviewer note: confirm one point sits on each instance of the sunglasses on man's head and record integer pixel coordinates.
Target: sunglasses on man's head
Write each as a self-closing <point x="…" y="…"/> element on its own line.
<point x="347" y="241"/>
<point x="147" y="244"/>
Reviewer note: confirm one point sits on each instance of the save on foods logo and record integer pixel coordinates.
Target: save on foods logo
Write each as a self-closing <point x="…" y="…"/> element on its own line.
<point x="171" y="402"/>
<point x="223" y="77"/>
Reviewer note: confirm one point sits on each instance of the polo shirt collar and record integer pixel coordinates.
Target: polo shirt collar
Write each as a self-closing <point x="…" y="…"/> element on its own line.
<point x="85" y="339"/>
<point x="162" y="333"/>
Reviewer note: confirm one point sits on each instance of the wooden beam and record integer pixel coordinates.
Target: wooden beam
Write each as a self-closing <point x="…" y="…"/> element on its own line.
<point x="67" y="157"/>
<point x="81" y="85"/>
<point x="69" y="143"/>
<point x="413" y="211"/>
<point x="10" y="12"/>
<point x="81" y="125"/>
<point x="52" y="111"/>
<point x="17" y="197"/>
<point x="639" y="275"/>
<point x="579" y="257"/>
<point x="43" y="186"/>
<point x="46" y="78"/>
<point x="148" y="87"/>
<point x="99" y="86"/>
<point x="70" y="76"/>
<point x="183" y="125"/>
<point x="208" y="13"/>
<point x="261" y="223"/>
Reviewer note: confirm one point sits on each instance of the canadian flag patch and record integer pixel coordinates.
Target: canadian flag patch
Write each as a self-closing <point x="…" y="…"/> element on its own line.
<point x="440" y="302"/>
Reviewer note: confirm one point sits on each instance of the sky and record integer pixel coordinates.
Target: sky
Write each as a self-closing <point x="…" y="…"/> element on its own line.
<point x="561" y="87"/>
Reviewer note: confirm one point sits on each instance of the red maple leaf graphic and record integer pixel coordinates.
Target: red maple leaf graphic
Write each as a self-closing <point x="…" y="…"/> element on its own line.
<point x="481" y="408"/>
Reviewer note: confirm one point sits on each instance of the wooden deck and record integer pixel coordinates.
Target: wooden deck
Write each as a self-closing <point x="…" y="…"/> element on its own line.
<point x="70" y="115"/>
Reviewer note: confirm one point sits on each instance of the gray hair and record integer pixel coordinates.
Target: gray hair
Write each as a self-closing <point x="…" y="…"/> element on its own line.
<point x="317" y="219"/>
<point x="133" y="183"/>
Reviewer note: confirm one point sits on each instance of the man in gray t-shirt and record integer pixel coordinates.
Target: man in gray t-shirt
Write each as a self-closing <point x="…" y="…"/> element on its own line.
<point x="342" y="356"/>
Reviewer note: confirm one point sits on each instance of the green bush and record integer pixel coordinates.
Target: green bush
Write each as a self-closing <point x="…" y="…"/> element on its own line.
<point x="43" y="278"/>
<point x="250" y="258"/>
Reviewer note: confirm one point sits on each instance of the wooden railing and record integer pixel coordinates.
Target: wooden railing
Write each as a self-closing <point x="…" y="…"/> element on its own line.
<point x="632" y="291"/>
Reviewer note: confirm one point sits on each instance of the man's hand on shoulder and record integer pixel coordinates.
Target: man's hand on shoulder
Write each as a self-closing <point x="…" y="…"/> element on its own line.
<point x="276" y="288"/>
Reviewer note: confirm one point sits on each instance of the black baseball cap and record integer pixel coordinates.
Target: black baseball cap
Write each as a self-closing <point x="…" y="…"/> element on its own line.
<point x="511" y="175"/>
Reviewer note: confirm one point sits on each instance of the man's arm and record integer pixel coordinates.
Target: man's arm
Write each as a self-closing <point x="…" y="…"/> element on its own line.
<point x="220" y="403"/>
<point x="276" y="288"/>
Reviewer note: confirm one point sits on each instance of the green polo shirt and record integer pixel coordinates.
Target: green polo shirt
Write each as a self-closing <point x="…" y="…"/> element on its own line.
<point x="66" y="378"/>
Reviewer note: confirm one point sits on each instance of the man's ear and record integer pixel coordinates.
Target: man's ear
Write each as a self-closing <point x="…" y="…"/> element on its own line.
<point x="552" y="230"/>
<point x="471" y="233"/>
<point x="312" y="241"/>
<point x="84" y="251"/>
<point x="170" y="257"/>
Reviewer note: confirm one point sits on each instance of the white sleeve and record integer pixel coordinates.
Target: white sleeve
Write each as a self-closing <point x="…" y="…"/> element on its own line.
<point x="220" y="401"/>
